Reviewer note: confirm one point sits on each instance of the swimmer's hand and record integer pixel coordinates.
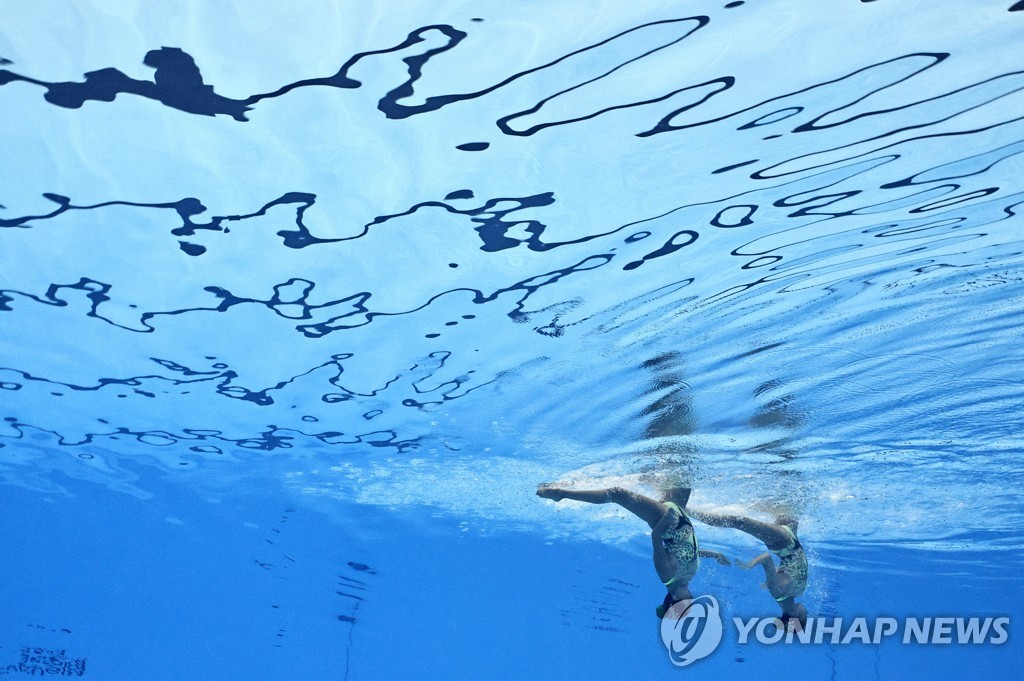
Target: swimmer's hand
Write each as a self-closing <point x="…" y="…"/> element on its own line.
<point x="722" y="560"/>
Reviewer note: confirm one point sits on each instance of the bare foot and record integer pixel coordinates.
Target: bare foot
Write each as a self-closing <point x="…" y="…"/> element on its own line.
<point x="548" y="491"/>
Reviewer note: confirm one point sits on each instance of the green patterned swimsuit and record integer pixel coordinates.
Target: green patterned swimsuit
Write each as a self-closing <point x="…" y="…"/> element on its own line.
<point x="681" y="543"/>
<point x="793" y="564"/>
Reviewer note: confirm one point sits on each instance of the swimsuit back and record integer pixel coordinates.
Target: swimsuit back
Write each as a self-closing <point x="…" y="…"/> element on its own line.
<point x="793" y="563"/>
<point x="681" y="543"/>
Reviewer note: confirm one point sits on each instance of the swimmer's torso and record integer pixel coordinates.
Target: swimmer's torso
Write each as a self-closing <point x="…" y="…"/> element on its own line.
<point x="681" y="543"/>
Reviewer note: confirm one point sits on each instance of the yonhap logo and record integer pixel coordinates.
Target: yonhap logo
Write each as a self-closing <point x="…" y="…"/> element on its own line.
<point x="691" y="630"/>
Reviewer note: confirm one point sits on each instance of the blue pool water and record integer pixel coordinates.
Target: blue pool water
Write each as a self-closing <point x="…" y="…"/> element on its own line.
<point x="300" y="301"/>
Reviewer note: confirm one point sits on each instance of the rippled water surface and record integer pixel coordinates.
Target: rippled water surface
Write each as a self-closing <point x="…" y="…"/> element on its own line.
<point x="300" y="301"/>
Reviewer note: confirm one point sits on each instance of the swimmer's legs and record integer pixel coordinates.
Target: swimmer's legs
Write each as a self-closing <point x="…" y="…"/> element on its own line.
<point x="774" y="536"/>
<point x="645" y="508"/>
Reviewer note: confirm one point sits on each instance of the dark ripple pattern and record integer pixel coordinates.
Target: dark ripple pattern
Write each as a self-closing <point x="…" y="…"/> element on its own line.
<point x="885" y="169"/>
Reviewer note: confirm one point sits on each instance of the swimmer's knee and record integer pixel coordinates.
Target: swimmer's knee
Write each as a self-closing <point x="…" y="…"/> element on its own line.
<point x="617" y="493"/>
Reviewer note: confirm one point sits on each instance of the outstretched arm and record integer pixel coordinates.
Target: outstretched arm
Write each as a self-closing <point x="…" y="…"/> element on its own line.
<point x="722" y="560"/>
<point x="764" y="560"/>
<point x="771" y="576"/>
